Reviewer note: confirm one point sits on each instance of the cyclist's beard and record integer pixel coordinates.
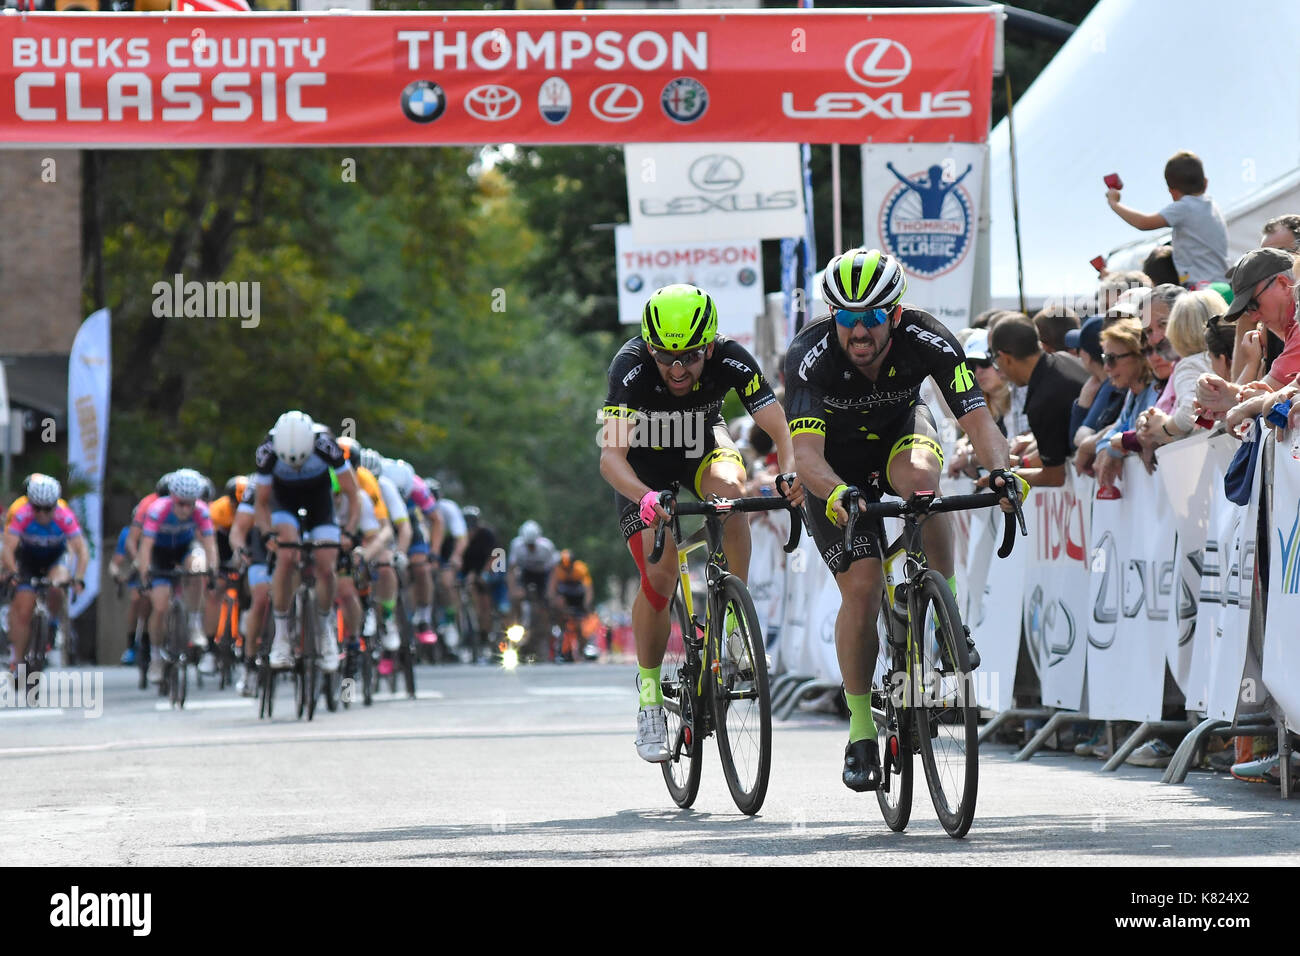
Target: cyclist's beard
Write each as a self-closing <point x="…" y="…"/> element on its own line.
<point x="680" y="380"/>
<point x="864" y="358"/>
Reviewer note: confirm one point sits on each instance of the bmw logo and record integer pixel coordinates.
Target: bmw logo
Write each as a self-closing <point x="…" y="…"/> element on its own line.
<point x="684" y="99"/>
<point x="747" y="276"/>
<point x="634" y="283"/>
<point x="423" y="101"/>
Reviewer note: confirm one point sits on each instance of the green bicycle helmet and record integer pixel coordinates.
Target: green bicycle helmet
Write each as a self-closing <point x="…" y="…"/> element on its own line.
<point x="679" y="317"/>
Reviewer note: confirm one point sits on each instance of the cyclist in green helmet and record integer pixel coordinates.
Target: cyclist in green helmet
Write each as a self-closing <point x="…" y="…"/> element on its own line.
<point x="663" y="427"/>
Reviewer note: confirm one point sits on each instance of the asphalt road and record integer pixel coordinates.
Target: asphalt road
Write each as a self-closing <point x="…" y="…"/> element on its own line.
<point x="537" y="766"/>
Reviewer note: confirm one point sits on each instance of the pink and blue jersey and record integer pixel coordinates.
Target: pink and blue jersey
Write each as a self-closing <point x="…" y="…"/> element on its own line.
<point x="170" y="532"/>
<point x="42" y="542"/>
<point x="421" y="497"/>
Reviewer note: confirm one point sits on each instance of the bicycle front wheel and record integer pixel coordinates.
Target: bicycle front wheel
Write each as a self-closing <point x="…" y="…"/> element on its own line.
<point x="947" y="713"/>
<point x="681" y="708"/>
<point x="310" y="657"/>
<point x="742" y="707"/>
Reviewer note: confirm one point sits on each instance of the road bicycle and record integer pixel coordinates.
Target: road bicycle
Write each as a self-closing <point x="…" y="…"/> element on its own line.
<point x="304" y="621"/>
<point x="924" y="701"/>
<point x="40" y="633"/>
<point x="175" y="649"/>
<point x="228" y="642"/>
<point x="715" y="678"/>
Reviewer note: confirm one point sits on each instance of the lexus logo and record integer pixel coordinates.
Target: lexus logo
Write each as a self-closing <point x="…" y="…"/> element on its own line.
<point x="616" y="102"/>
<point x="492" y="103"/>
<point x="878" y="62"/>
<point x="716" y="172"/>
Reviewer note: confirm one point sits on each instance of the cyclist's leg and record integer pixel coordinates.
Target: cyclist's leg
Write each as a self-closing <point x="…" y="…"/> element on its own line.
<point x="59" y="576"/>
<point x="21" y="606"/>
<point x="915" y="464"/>
<point x="284" y="526"/>
<point x="651" y="620"/>
<point x="193" y="591"/>
<point x="259" y="583"/>
<point x="722" y="472"/>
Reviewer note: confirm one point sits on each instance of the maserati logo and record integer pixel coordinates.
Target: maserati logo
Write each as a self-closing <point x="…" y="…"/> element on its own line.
<point x="616" y="102"/>
<point x="878" y="62"/>
<point x="716" y="172"/>
<point x="554" y="100"/>
<point x="492" y="103"/>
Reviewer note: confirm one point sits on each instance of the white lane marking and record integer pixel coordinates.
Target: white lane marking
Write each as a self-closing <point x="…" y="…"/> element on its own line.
<point x="386" y="695"/>
<point x="32" y="712"/>
<point x="165" y="706"/>
<point x="244" y="739"/>
<point x="605" y="691"/>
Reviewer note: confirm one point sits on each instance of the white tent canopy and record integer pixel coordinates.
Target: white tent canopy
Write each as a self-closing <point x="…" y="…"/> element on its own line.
<point x="1138" y="81"/>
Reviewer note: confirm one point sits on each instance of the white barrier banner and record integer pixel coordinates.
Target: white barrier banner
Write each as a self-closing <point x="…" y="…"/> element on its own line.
<point x="819" y="658"/>
<point x="799" y="588"/>
<point x="920" y="203"/>
<point x="997" y="590"/>
<point x="768" y="531"/>
<point x="1131" y="585"/>
<point x="1281" y="647"/>
<point x="1227" y="579"/>
<point x="1191" y="474"/>
<point x="701" y="191"/>
<point x="1056" y="588"/>
<point x="730" y="271"/>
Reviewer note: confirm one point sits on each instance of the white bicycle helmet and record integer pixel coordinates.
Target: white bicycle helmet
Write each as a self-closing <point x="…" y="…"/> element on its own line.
<point x="862" y="279"/>
<point x="186" y="484"/>
<point x="44" y="491"/>
<point x="293" y="438"/>
<point x="372" y="461"/>
<point x="530" y="531"/>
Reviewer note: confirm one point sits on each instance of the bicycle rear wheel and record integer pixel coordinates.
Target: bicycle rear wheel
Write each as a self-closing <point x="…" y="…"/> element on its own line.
<point x="408" y="650"/>
<point x="947" y="713"/>
<point x="310" y="657"/>
<point x="742" y="707"/>
<point x="681" y="709"/>
<point x="174" y="668"/>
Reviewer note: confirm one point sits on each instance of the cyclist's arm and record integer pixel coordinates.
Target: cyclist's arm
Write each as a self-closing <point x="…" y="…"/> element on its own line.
<point x="142" y="556"/>
<point x="588" y="596"/>
<point x="810" y="462"/>
<point x="348" y="486"/>
<point x="262" y="507"/>
<point x="614" y="467"/>
<point x="772" y="420"/>
<point x="437" y="529"/>
<point x="133" y="542"/>
<point x="378" y="543"/>
<point x="239" y="530"/>
<point x="81" y="551"/>
<point x="10" y="554"/>
<point x="990" y="445"/>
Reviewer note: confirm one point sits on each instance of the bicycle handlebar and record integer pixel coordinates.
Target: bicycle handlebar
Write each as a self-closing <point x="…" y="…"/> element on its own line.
<point x="717" y="507"/>
<point x="923" y="504"/>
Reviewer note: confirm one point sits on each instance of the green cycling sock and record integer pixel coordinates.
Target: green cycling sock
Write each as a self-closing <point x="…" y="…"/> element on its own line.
<point x="386" y="607"/>
<point x="652" y="693"/>
<point x="862" y="726"/>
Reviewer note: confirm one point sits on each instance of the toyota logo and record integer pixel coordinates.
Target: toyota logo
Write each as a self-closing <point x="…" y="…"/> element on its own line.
<point x="716" y="172"/>
<point x="616" y="102"/>
<point x="878" y="62"/>
<point x="492" y="103"/>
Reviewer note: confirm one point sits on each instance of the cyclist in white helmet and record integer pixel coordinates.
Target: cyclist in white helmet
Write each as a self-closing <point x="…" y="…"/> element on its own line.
<point x="853" y="381"/>
<point x="293" y="472"/>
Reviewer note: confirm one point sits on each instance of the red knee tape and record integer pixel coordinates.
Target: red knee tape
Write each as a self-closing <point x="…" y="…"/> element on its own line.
<point x="657" y="600"/>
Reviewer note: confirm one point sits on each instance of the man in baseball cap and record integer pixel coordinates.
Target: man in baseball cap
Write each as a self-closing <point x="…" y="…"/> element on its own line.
<point x="1250" y="272"/>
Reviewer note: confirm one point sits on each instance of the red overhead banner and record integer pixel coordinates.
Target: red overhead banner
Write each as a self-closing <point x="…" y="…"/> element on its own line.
<point x="409" y="79"/>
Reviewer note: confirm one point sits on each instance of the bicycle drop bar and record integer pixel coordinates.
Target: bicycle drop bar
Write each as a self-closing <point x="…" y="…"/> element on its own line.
<point x="920" y="504"/>
<point x="719" y="507"/>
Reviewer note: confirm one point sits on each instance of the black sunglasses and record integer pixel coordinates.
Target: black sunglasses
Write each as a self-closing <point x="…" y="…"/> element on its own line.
<point x="42" y="509"/>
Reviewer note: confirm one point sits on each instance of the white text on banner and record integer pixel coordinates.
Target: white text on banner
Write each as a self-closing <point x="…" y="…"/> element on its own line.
<point x="731" y="272"/>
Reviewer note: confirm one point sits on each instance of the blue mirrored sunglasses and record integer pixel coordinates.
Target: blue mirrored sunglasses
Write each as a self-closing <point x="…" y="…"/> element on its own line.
<point x="870" y="318"/>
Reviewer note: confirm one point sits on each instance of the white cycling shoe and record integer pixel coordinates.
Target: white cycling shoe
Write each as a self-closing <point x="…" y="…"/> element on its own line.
<point x="652" y="735"/>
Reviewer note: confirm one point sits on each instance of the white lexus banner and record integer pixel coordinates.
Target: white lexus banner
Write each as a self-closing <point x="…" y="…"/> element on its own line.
<point x="1191" y="474"/>
<point x="1227" y="584"/>
<point x="731" y="272"/>
<point x="920" y="203"/>
<point x="1281" y="649"/>
<point x="1131" y="589"/>
<point x="1056" y="607"/>
<point x="997" y="590"/>
<point x="700" y="191"/>
<point x="89" y="374"/>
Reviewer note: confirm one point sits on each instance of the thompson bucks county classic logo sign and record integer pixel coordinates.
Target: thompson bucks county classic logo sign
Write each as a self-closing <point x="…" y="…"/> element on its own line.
<point x="927" y="222"/>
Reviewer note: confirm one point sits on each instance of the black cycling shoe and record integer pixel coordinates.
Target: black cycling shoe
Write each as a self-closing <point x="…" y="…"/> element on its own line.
<point x="862" y="766"/>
